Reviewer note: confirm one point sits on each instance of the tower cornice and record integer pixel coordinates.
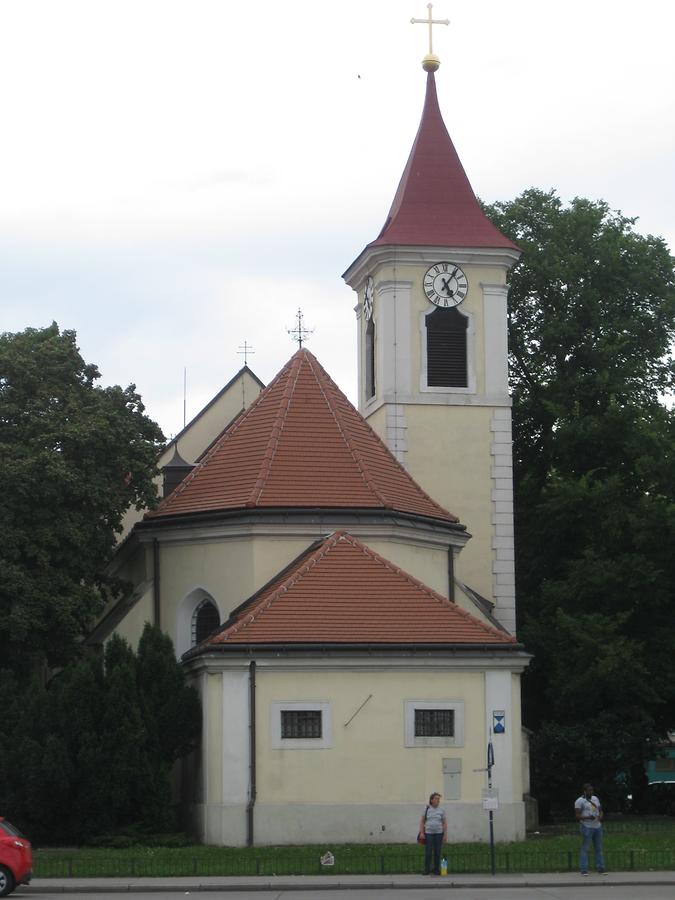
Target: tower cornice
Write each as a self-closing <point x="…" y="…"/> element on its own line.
<point x="374" y="256"/>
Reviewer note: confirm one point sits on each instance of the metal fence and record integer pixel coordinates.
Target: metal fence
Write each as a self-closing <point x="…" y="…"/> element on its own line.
<point x="345" y="864"/>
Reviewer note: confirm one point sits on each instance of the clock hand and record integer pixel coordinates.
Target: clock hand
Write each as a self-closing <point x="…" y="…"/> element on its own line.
<point x="446" y="286"/>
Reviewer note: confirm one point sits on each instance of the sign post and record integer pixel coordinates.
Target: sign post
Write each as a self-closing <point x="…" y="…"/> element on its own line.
<point x="490" y="802"/>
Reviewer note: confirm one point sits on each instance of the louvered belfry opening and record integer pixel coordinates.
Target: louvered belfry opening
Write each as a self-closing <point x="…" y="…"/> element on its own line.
<point x="370" y="359"/>
<point x="446" y="348"/>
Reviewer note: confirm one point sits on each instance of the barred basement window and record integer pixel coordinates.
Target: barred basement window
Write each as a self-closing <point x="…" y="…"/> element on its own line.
<point x="301" y="723"/>
<point x="370" y="359"/>
<point x="205" y="620"/>
<point x="446" y="348"/>
<point x="434" y="723"/>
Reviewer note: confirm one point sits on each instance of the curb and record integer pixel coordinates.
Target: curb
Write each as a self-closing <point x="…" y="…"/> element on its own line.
<point x="171" y="886"/>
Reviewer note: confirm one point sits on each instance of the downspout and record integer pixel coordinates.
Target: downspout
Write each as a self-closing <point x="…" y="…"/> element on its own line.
<point x="252" y="756"/>
<point x="155" y="580"/>
<point x="451" y="575"/>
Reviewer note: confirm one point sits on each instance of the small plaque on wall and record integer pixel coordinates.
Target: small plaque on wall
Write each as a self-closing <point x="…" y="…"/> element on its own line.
<point x="498" y="721"/>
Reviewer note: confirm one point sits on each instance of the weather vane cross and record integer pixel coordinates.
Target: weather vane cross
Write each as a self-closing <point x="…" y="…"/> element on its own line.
<point x="245" y="349"/>
<point x="299" y="333"/>
<point x="430" y="22"/>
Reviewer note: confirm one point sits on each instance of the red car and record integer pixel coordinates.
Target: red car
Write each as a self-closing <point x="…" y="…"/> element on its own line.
<point x="16" y="858"/>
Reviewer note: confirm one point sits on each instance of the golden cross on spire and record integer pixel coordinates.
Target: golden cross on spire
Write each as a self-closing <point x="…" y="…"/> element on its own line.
<point x="430" y="22"/>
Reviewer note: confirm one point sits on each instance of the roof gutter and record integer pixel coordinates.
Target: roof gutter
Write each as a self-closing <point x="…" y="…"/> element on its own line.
<point x="322" y="512"/>
<point x="288" y="649"/>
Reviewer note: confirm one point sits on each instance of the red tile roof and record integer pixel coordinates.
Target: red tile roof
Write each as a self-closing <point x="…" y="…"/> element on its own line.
<point x="435" y="204"/>
<point x="344" y="592"/>
<point x="301" y="444"/>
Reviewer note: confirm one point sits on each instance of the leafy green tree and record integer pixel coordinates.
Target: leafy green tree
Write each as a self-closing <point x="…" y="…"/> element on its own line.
<point x="171" y="712"/>
<point x="591" y="327"/>
<point x="74" y="456"/>
<point x="124" y="737"/>
<point x="87" y="746"/>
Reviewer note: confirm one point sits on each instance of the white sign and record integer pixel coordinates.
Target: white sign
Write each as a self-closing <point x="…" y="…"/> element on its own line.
<point x="490" y="798"/>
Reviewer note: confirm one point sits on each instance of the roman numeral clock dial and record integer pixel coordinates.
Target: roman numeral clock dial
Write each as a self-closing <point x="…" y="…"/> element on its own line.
<point x="445" y="284"/>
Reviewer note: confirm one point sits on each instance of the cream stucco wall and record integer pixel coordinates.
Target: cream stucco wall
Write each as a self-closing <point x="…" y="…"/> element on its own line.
<point x="428" y="564"/>
<point x="368" y="757"/>
<point x="453" y="464"/>
<point x="361" y="782"/>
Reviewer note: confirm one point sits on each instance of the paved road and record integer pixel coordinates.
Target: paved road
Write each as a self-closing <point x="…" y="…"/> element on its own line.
<point x="562" y="892"/>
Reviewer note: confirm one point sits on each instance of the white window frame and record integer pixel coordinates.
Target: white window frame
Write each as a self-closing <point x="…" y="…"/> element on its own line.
<point x="322" y="743"/>
<point x="412" y="741"/>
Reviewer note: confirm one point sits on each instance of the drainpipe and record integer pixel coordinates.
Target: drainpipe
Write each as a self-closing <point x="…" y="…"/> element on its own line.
<point x="155" y="580"/>
<point x="252" y="755"/>
<point x="451" y="575"/>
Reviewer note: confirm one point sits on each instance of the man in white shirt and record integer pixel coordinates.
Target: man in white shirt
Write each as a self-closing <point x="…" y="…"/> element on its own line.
<point x="589" y="814"/>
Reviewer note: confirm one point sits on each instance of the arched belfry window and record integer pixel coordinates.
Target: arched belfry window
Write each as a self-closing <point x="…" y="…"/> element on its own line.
<point x="370" y="359"/>
<point x="205" y="620"/>
<point x="446" y="348"/>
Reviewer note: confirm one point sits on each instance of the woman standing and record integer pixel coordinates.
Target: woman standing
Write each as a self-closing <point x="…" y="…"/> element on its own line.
<point x="434" y="825"/>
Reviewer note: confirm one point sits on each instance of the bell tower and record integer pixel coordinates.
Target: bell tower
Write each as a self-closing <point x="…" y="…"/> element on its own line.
<point x="433" y="355"/>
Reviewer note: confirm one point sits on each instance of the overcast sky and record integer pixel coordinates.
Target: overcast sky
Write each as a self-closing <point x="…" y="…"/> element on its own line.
<point x="178" y="176"/>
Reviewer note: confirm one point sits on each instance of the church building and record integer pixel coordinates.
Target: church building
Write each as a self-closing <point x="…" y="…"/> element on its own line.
<point x="339" y="583"/>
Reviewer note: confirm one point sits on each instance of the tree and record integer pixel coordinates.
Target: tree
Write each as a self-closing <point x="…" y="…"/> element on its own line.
<point x="591" y="327"/>
<point x="75" y="456"/>
<point x="87" y="744"/>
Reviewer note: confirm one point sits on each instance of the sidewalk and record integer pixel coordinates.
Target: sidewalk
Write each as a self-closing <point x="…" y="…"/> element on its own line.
<point x="334" y="882"/>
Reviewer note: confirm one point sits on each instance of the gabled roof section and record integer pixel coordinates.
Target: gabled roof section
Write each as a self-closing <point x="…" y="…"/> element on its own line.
<point x="341" y="591"/>
<point x="301" y="444"/>
<point x="243" y="371"/>
<point x="435" y="205"/>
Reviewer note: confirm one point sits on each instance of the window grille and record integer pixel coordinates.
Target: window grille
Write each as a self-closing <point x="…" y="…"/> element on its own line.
<point x="301" y="723"/>
<point x="205" y="620"/>
<point x="434" y="723"/>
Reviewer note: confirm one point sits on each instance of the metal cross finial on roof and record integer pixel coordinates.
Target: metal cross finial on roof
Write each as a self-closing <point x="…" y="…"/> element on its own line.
<point x="299" y="333"/>
<point x="430" y="22"/>
<point x="245" y="348"/>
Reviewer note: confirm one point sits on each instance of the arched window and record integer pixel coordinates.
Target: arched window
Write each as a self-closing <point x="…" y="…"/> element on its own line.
<point x="205" y="620"/>
<point x="446" y="348"/>
<point x="370" y="359"/>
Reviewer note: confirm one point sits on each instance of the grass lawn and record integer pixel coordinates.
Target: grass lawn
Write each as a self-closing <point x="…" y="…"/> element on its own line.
<point x="624" y="850"/>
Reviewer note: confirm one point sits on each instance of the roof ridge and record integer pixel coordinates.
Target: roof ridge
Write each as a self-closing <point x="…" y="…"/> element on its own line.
<point x="360" y="461"/>
<point x="276" y="430"/>
<point x="288" y="583"/>
<point x="357" y="456"/>
<point x="227" y="432"/>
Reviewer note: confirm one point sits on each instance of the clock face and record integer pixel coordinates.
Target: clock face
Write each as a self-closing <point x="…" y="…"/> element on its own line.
<point x="368" y="296"/>
<point x="445" y="284"/>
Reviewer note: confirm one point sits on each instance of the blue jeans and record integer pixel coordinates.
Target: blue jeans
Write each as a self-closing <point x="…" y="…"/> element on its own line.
<point x="588" y="835"/>
<point x="433" y="845"/>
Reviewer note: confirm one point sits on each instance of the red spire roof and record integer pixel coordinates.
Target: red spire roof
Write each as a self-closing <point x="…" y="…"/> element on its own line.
<point x="435" y="205"/>
<point x="300" y="444"/>
<point x="344" y="592"/>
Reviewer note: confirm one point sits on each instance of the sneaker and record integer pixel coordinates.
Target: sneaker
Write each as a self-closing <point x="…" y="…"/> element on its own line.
<point x="602" y="871"/>
<point x="584" y="873"/>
